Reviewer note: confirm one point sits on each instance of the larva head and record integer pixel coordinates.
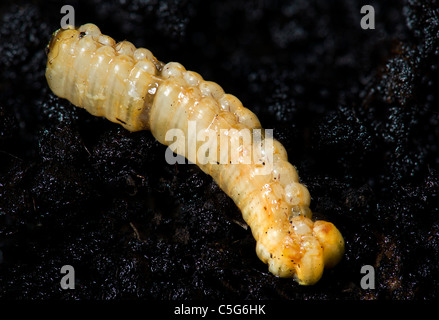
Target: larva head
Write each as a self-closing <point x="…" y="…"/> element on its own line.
<point x="62" y="38"/>
<point x="52" y="49"/>
<point x="57" y="50"/>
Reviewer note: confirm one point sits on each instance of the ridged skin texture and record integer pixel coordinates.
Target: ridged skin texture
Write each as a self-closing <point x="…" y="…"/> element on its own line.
<point x="131" y="87"/>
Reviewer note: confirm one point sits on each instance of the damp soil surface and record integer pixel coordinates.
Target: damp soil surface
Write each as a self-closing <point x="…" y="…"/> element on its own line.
<point x="357" y="111"/>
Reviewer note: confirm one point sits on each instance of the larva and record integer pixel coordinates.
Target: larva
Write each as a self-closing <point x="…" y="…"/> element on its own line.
<point x="129" y="86"/>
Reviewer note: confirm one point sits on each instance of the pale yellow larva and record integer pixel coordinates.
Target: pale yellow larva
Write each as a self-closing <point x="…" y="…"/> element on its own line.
<point x="131" y="87"/>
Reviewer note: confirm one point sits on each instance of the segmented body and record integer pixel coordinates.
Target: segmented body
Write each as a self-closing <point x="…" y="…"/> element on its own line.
<point x="131" y="87"/>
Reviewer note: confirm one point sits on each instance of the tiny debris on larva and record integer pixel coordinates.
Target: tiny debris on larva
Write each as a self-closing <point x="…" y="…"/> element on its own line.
<point x="129" y="86"/>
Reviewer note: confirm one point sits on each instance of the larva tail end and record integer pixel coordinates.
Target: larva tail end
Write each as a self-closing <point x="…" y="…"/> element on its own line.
<point x="331" y="240"/>
<point x="298" y="257"/>
<point x="307" y="270"/>
<point x="303" y="250"/>
<point x="310" y="271"/>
